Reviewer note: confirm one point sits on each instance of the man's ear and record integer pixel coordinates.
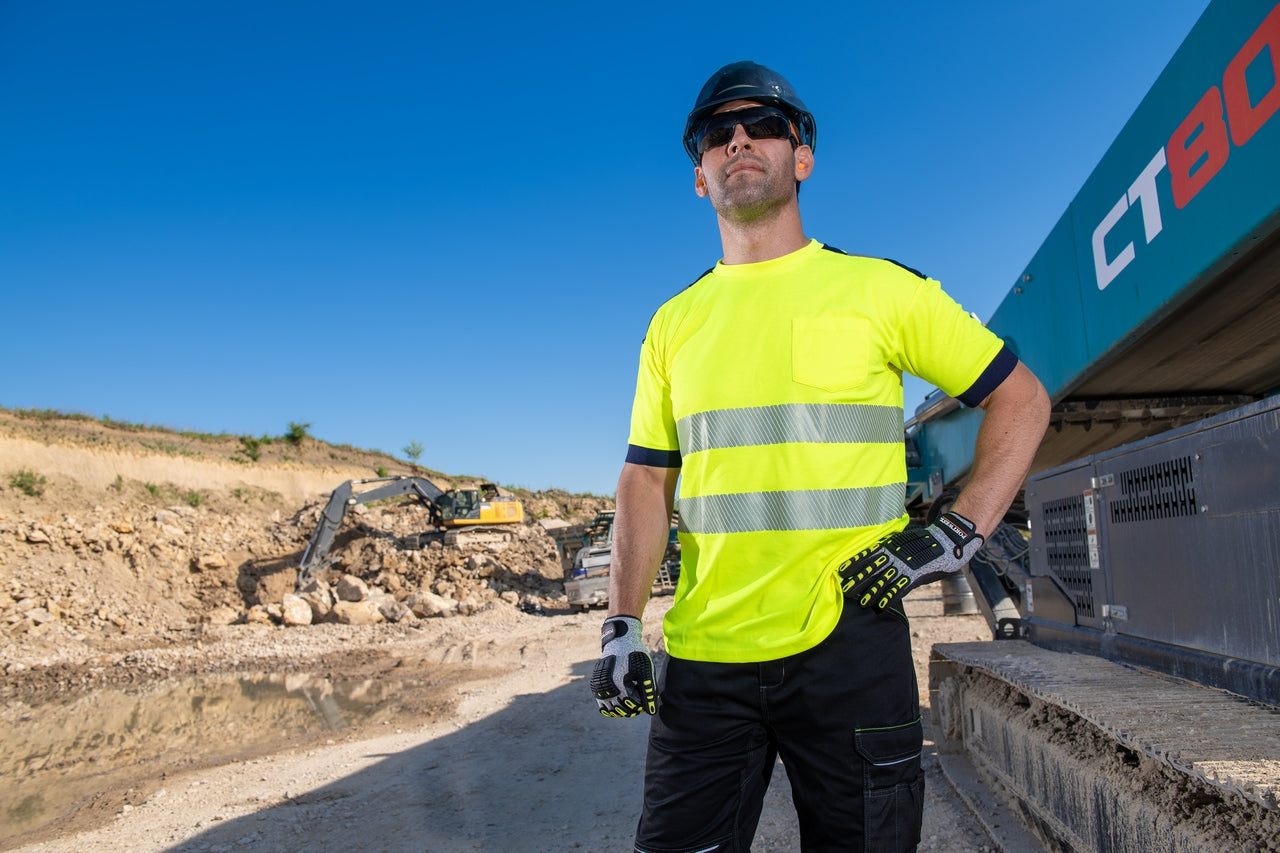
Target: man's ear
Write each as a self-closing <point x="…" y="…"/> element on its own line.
<point x="699" y="182"/>
<point x="804" y="162"/>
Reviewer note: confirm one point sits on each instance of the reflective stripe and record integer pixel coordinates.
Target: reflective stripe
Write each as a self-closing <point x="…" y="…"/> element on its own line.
<point x="832" y="423"/>
<point x="817" y="509"/>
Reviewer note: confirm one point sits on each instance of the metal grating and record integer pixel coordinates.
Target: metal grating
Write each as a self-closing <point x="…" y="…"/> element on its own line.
<point x="1153" y="492"/>
<point x="1066" y="538"/>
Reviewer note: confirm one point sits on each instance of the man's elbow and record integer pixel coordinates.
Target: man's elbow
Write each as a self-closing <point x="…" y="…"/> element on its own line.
<point x="1021" y="392"/>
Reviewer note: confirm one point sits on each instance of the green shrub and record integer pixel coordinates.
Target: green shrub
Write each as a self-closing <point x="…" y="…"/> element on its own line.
<point x="118" y="485"/>
<point x="381" y="471"/>
<point x="251" y="447"/>
<point x="152" y="489"/>
<point x="28" y="482"/>
<point x="194" y="498"/>
<point x="297" y="432"/>
<point x="412" y="451"/>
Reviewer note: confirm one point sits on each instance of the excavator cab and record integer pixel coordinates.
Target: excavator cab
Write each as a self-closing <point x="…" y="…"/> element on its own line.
<point x="483" y="505"/>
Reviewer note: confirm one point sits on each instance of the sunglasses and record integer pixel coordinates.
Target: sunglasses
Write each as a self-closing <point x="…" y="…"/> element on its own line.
<point x="758" y="122"/>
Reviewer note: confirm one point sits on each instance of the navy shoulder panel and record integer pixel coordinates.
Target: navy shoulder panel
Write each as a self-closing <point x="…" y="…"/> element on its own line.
<point x="705" y="273"/>
<point x="907" y="268"/>
<point x="890" y="260"/>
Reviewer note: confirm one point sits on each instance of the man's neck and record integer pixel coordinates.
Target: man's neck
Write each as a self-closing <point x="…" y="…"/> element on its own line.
<point x="752" y="242"/>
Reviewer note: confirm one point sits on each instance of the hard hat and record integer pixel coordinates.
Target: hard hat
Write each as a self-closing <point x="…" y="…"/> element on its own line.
<point x="748" y="81"/>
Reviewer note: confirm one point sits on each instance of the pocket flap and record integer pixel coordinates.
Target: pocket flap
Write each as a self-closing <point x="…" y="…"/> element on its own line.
<point x="891" y="744"/>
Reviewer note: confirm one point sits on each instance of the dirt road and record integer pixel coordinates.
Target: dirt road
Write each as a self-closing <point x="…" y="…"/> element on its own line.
<point x="520" y="762"/>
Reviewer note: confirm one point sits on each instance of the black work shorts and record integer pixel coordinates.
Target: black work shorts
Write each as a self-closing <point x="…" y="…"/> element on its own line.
<point x="844" y="716"/>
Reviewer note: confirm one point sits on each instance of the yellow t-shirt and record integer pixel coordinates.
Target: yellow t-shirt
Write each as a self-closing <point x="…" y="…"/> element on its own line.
<point x="777" y="388"/>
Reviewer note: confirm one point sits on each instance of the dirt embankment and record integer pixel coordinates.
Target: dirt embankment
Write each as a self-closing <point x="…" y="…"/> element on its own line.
<point x="115" y="538"/>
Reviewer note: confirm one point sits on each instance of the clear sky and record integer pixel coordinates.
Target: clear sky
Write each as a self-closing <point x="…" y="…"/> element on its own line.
<point x="450" y="222"/>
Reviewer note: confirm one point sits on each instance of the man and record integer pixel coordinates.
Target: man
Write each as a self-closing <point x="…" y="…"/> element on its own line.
<point x="771" y="389"/>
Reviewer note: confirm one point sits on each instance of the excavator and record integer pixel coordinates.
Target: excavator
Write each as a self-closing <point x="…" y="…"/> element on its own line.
<point x="455" y="512"/>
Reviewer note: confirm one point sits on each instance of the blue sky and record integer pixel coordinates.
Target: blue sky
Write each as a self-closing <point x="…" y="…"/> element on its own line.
<point x="401" y="223"/>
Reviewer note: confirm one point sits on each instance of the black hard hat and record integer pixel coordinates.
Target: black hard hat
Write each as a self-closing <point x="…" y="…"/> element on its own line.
<point x="748" y="81"/>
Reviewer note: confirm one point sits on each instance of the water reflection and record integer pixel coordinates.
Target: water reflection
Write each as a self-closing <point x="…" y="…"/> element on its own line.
<point x="59" y="753"/>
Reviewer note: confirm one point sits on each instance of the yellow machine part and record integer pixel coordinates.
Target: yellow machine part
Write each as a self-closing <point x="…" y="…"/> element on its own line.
<point x="497" y="511"/>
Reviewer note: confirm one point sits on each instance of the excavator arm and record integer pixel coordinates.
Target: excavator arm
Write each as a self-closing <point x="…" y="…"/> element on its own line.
<point x="346" y="496"/>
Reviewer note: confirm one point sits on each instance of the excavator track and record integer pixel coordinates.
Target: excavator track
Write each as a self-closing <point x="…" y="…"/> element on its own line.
<point x="1096" y="755"/>
<point x="486" y="535"/>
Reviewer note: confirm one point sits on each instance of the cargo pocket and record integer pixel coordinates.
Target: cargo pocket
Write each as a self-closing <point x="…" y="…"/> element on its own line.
<point x="831" y="353"/>
<point x="893" y="794"/>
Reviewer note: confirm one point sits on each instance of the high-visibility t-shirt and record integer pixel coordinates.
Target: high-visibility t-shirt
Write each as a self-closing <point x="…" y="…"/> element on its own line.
<point x="776" y="387"/>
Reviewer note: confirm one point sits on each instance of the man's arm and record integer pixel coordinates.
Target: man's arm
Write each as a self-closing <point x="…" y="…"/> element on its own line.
<point x="1017" y="414"/>
<point x="642" y="524"/>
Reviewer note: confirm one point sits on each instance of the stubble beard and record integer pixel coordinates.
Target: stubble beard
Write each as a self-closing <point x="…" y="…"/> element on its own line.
<point x="750" y="197"/>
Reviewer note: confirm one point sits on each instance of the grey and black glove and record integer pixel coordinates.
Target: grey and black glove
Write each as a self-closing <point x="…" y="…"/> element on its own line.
<point x="904" y="560"/>
<point x="623" y="681"/>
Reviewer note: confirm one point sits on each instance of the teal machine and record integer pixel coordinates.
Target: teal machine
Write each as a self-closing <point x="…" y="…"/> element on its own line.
<point x="1151" y="313"/>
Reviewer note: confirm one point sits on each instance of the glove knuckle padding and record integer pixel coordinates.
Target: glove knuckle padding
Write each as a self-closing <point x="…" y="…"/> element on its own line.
<point x="602" y="686"/>
<point x="909" y="558"/>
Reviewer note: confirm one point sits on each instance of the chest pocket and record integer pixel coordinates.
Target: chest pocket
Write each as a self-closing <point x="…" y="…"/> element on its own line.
<point x="831" y="353"/>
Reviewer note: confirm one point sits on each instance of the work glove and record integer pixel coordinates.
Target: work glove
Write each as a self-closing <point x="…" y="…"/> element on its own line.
<point x="902" y="561"/>
<point x="623" y="681"/>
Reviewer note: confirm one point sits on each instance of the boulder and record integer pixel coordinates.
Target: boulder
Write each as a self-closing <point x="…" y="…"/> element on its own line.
<point x="356" y="613"/>
<point x="320" y="600"/>
<point x="426" y="604"/>
<point x="295" y="610"/>
<point x="394" y="611"/>
<point x="217" y="616"/>
<point x="351" y="588"/>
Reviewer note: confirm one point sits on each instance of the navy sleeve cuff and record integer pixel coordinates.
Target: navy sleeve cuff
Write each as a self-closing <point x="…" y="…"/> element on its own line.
<point x="997" y="371"/>
<point x="653" y="458"/>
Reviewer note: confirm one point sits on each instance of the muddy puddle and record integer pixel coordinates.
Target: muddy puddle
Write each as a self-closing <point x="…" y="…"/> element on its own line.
<point x="98" y="751"/>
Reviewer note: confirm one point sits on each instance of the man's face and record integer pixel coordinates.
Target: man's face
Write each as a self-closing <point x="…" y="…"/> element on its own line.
<point x="746" y="179"/>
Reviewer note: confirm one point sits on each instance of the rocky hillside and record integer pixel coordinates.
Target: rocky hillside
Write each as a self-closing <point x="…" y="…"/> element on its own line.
<point x="110" y="531"/>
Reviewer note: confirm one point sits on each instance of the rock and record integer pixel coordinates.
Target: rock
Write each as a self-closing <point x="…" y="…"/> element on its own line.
<point x="205" y="562"/>
<point x="217" y="616"/>
<point x="36" y="536"/>
<point x="356" y="613"/>
<point x="39" y="615"/>
<point x="394" y="611"/>
<point x="121" y="527"/>
<point x="426" y="604"/>
<point x="295" y="610"/>
<point x="351" y="588"/>
<point x="320" y="600"/>
<point x="258" y="615"/>
<point x="388" y="580"/>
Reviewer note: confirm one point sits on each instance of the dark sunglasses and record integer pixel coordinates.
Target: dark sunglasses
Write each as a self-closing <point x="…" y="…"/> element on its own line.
<point x="758" y="122"/>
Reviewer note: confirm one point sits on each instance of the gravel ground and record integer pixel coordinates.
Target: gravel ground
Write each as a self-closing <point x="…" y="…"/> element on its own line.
<point x="503" y="751"/>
